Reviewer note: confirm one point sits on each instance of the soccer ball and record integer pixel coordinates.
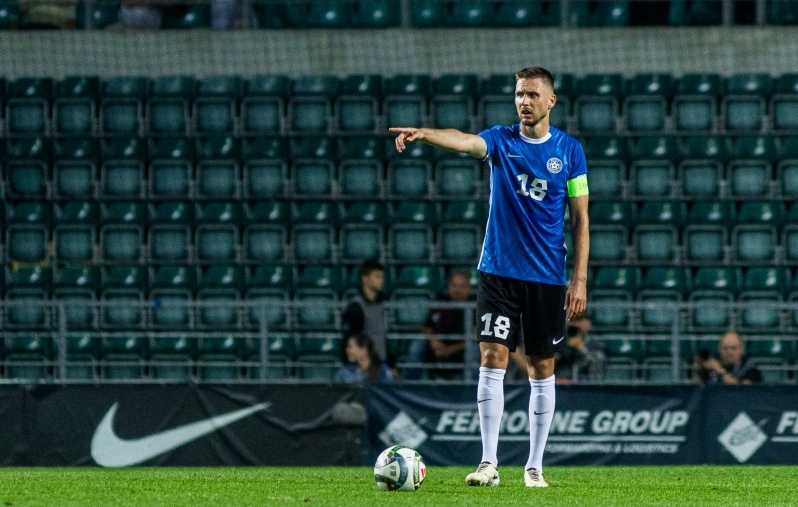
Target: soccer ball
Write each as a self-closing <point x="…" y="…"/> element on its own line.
<point x="399" y="468"/>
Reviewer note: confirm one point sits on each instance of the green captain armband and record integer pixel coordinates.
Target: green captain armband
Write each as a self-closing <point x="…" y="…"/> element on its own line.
<point x="577" y="187"/>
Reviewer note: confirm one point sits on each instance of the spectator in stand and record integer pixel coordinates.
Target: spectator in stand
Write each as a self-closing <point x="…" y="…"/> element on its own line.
<point x="365" y="312"/>
<point x="363" y="363"/>
<point x="732" y="368"/>
<point x="582" y="358"/>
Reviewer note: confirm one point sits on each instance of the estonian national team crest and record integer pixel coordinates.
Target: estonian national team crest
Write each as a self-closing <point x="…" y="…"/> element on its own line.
<point x="554" y="165"/>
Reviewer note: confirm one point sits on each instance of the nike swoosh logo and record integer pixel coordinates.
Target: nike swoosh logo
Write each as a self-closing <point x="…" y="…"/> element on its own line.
<point x="539" y="413"/>
<point x="555" y="342"/>
<point x="514" y="156"/>
<point x="486" y="399"/>
<point x="108" y="450"/>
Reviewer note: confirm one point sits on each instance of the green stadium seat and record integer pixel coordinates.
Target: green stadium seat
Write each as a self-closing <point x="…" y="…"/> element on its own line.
<point x="75" y="169"/>
<point x="278" y="362"/>
<point x="318" y="358"/>
<point x="565" y="89"/>
<point x="219" y="358"/>
<point x="519" y="13"/>
<point x="77" y="285"/>
<point x="122" y="232"/>
<point x="597" y="105"/>
<point x="216" y="104"/>
<point x="657" y="238"/>
<point x="652" y="172"/>
<point x="28" y="106"/>
<point x="217" y="229"/>
<point x="612" y="13"/>
<point x="265" y="233"/>
<point x="662" y="286"/>
<point x="695" y="103"/>
<point x="606" y="157"/>
<point x="310" y="107"/>
<point x="317" y="291"/>
<point x="362" y="232"/>
<point x="9" y="14"/>
<point x="318" y="14"/>
<point x="170" y="287"/>
<point x="187" y="17"/>
<point x="658" y="363"/>
<point x="75" y="232"/>
<point x="82" y="355"/>
<point x="122" y="106"/>
<point x="496" y="104"/>
<point x="28" y="231"/>
<point x="75" y="106"/>
<point x="771" y="357"/>
<point x="787" y="168"/>
<point x="610" y="230"/>
<point x="456" y="175"/>
<point x="360" y="173"/>
<point x="744" y="104"/>
<point x="171" y="357"/>
<point x="270" y="14"/>
<point x="706" y="236"/>
<point x="104" y="14"/>
<point x="452" y="105"/>
<point x="123" y="289"/>
<point x="268" y="287"/>
<point x="313" y="232"/>
<point x="792" y="297"/>
<point x="358" y="105"/>
<point x="612" y="285"/>
<point x="313" y="167"/>
<point x="220" y="287"/>
<point x="265" y="168"/>
<point x="122" y="172"/>
<point x="218" y="168"/>
<point x="29" y="357"/>
<point x="122" y="357"/>
<point x="695" y="13"/>
<point x="26" y="294"/>
<point x="171" y="162"/>
<point x="263" y="105"/>
<point x="168" y="105"/>
<point x="790" y="235"/>
<point x="460" y="232"/>
<point x="375" y="14"/>
<point x="428" y="13"/>
<point x="471" y="13"/>
<point x="701" y="169"/>
<point x="415" y="286"/>
<point x="713" y="289"/>
<point x="410" y="232"/>
<point x="782" y="12"/>
<point x="784" y="103"/>
<point x="762" y="285"/>
<point x="28" y="168"/>
<point x="405" y="103"/>
<point x="170" y="231"/>
<point x="755" y="238"/>
<point x="750" y="171"/>
<point x="410" y="172"/>
<point x="646" y="106"/>
<point x="623" y="356"/>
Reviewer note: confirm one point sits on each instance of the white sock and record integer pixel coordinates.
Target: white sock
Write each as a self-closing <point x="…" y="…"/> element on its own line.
<point x="541" y="412"/>
<point x="490" y="402"/>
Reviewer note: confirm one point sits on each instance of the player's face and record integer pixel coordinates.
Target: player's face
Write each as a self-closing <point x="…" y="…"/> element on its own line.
<point x="459" y="288"/>
<point x="533" y="100"/>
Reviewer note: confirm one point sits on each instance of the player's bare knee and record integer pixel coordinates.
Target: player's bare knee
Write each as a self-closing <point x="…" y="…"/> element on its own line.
<point x="494" y="356"/>
<point x="540" y="366"/>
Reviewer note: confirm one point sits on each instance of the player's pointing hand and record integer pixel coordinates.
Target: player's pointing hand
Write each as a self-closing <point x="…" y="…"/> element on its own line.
<point x="406" y="134"/>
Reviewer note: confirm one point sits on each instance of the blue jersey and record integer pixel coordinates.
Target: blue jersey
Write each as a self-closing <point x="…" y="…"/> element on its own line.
<point x="524" y="238"/>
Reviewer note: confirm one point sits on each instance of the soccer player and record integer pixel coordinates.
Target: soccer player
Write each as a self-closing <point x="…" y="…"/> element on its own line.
<point x="522" y="294"/>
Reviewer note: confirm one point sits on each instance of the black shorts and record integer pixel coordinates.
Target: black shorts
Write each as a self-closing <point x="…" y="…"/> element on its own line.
<point x="506" y="306"/>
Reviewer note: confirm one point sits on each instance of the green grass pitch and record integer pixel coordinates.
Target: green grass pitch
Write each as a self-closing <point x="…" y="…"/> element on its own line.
<point x="271" y="486"/>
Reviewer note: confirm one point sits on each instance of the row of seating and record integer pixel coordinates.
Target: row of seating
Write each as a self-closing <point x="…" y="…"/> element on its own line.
<point x="363" y="104"/>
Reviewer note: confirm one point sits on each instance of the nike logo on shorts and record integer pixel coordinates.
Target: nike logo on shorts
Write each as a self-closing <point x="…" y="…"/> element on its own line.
<point x="555" y="342"/>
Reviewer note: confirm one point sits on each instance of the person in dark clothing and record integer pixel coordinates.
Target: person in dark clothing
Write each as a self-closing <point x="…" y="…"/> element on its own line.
<point x="732" y="367"/>
<point x="365" y="312"/>
<point x="442" y="322"/>
<point x="582" y="358"/>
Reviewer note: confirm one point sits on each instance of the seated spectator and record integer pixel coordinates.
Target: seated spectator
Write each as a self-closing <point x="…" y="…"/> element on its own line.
<point x="442" y="322"/>
<point x="364" y="364"/>
<point x="732" y="367"/>
<point x="582" y="358"/>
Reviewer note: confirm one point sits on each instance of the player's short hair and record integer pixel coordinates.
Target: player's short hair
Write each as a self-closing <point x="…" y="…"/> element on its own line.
<point x="370" y="266"/>
<point x="536" y="73"/>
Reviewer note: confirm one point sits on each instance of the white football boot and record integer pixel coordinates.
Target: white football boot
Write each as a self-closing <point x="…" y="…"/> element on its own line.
<point x="534" y="479"/>
<point x="486" y="475"/>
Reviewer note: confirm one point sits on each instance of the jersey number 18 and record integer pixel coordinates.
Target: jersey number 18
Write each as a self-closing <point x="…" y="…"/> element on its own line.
<point x="537" y="190"/>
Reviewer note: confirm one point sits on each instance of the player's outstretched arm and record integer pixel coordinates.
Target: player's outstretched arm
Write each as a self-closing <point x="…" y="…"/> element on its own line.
<point x="448" y="139"/>
<point x="576" y="295"/>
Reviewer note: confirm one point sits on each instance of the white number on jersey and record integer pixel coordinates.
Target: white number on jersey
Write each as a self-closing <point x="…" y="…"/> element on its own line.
<point x="537" y="190"/>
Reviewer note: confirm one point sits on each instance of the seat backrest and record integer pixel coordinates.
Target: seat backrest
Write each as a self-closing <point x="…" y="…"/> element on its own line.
<point x="365" y="212"/>
<point x="172" y="212"/>
<point x="608" y="85"/>
<point x="667" y="279"/>
<point x="749" y="84"/>
<point x="268" y="85"/>
<point x="617" y="278"/>
<point x="418" y="212"/>
<point x="173" y="277"/>
<point x="418" y="277"/>
<point x="221" y="86"/>
<point x="761" y="212"/>
<point x="221" y="277"/>
<point x="125" y="277"/>
<point x="711" y="213"/>
<point x="657" y="148"/>
<point x="320" y="277"/>
<point x="326" y="86"/>
<point x="277" y="277"/>
<point x="699" y="84"/>
<point x="226" y="213"/>
<point x="755" y="148"/>
<point x="314" y="148"/>
<point x="613" y="213"/>
<point x="707" y="147"/>
<point x="317" y="212"/>
<point x="765" y="279"/>
<point x="409" y="84"/>
<point x="663" y="213"/>
<point x="606" y="148"/>
<point x="659" y="85"/>
<point x="722" y="279"/>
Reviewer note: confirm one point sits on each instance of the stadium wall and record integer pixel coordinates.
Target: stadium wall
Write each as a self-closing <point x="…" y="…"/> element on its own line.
<point x="395" y="51"/>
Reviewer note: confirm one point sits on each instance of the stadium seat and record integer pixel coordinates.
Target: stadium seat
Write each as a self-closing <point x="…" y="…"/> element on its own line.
<point x="565" y="89"/>
<point x="75" y="233"/>
<point x="280" y="355"/>
<point x="263" y="105"/>
<point x="9" y="14"/>
<point x="744" y="105"/>
<point x="216" y="105"/>
<point x="623" y="355"/>
<point x="122" y="357"/>
<point x="657" y="236"/>
<point x="171" y="286"/>
<point x="782" y="12"/>
<point x="701" y="169"/>
<point x="217" y="168"/>
<point x="319" y="14"/>
<point x="597" y="105"/>
<point x="29" y="357"/>
<point x="219" y="358"/>
<point x="411" y="231"/>
<point x="755" y="238"/>
<point x="360" y="173"/>
<point x="610" y="286"/>
<point x="695" y="103"/>
<point x="75" y="169"/>
<point x="496" y="104"/>
<point x="28" y="231"/>
<point x="471" y="13"/>
<point x="265" y="233"/>
<point x="662" y="286"/>
<point x="610" y="230"/>
<point x="78" y="286"/>
<point x="28" y="168"/>
<point x="612" y="13"/>
<point x="318" y="358"/>
<point x="520" y="13"/>
<point x="171" y="168"/>
<point x="266" y="168"/>
<point x="771" y="357"/>
<point x="762" y="285"/>
<point x="122" y="172"/>
<point x="460" y="232"/>
<point x="220" y="287"/>
<point x="750" y="171"/>
<point x="358" y="106"/>
<point x="75" y="106"/>
<point x="122" y="106"/>
<point x="787" y="168"/>
<point x="82" y="355"/>
<point x="658" y="363"/>
<point x="452" y="103"/>
<point x="168" y="110"/>
<point x="646" y="106"/>
<point x="414" y="287"/>
<point x="313" y="167"/>
<point x="713" y="289"/>
<point x="122" y="232"/>
<point x="410" y="172"/>
<point x="790" y="235"/>
<point x="317" y="290"/>
<point x="104" y="14"/>
<point x="28" y="106"/>
<point x="26" y="294"/>
<point x="187" y="17"/>
<point x="123" y="289"/>
<point x="217" y="229"/>
<point x="405" y="103"/>
<point x="457" y="175"/>
<point x="170" y="232"/>
<point x="171" y="357"/>
<point x="362" y="232"/>
<point x="310" y="106"/>
<point x="706" y="236"/>
<point x="427" y="13"/>
<point x="375" y="14"/>
<point x="793" y="297"/>
<point x="267" y="287"/>
<point x="695" y="13"/>
<point x="652" y="172"/>
<point x="313" y="231"/>
<point x="606" y="157"/>
<point x="784" y="103"/>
